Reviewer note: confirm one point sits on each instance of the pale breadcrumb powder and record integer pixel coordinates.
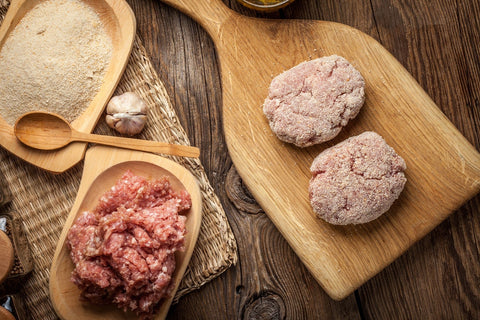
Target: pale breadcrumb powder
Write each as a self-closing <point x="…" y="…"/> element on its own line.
<point x="54" y="60"/>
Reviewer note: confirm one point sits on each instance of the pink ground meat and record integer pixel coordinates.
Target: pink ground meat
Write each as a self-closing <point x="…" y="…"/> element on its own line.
<point x="357" y="180"/>
<point x="124" y="250"/>
<point x="311" y="102"/>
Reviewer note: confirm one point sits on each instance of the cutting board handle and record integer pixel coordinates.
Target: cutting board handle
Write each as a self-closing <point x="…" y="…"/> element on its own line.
<point x="210" y="14"/>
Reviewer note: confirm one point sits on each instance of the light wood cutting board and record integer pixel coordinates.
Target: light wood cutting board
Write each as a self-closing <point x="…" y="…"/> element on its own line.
<point x="443" y="167"/>
<point x="119" y="22"/>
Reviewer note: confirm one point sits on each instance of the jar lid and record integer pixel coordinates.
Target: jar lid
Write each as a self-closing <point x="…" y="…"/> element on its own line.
<point x="265" y="5"/>
<point x="6" y="256"/>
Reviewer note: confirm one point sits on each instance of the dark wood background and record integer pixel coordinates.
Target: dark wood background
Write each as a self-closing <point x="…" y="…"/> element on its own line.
<point x="439" y="277"/>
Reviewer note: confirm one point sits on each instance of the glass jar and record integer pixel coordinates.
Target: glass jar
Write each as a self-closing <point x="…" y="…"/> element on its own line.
<point x="23" y="262"/>
<point x="265" y="5"/>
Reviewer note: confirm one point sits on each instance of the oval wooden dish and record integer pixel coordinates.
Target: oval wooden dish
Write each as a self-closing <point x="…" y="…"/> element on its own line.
<point x="98" y="177"/>
<point x="120" y="24"/>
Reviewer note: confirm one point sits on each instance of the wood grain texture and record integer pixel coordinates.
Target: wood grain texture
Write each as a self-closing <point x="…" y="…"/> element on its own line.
<point x="412" y="286"/>
<point x="120" y="25"/>
<point x="439" y="268"/>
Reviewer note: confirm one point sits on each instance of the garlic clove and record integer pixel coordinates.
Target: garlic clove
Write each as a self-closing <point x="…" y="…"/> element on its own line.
<point x="111" y="121"/>
<point x="126" y="113"/>
<point x="130" y="125"/>
<point x="128" y="102"/>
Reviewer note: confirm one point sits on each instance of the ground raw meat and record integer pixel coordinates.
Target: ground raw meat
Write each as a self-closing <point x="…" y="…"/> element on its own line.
<point x="311" y="102"/>
<point x="124" y="249"/>
<point x="357" y="180"/>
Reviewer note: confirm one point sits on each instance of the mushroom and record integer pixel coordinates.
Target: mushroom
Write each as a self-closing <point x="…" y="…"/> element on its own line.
<point x="126" y="113"/>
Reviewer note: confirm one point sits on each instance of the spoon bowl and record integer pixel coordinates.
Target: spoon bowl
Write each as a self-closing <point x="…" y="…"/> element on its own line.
<point x="44" y="131"/>
<point x="49" y="131"/>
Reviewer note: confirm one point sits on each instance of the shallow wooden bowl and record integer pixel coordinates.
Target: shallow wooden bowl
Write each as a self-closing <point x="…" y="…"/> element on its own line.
<point x="98" y="177"/>
<point x="119" y="21"/>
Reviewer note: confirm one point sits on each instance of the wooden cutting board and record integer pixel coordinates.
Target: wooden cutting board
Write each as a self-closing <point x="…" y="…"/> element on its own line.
<point x="119" y="22"/>
<point x="443" y="167"/>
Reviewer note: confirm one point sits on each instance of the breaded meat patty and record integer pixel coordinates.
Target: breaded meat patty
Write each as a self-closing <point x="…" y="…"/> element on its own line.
<point x="311" y="102"/>
<point x="357" y="180"/>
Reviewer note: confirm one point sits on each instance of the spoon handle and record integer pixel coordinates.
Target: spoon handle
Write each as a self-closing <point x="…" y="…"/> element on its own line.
<point x="138" y="144"/>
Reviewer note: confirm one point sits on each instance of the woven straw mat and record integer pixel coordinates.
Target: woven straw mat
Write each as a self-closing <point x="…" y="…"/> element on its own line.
<point x="43" y="201"/>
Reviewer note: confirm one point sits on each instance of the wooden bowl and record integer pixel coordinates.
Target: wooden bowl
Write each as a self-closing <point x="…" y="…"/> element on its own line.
<point x="6" y="256"/>
<point x="98" y="177"/>
<point x="120" y="24"/>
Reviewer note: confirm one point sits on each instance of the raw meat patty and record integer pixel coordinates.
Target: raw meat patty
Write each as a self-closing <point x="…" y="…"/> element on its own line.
<point x="314" y="100"/>
<point x="357" y="180"/>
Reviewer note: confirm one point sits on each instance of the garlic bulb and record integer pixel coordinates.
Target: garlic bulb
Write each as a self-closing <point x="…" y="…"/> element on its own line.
<point x="126" y="113"/>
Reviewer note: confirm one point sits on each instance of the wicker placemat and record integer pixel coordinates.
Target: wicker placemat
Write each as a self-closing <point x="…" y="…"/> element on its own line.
<point x="43" y="200"/>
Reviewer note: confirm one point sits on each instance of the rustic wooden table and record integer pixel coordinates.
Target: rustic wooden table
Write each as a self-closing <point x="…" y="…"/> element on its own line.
<point x="439" y="277"/>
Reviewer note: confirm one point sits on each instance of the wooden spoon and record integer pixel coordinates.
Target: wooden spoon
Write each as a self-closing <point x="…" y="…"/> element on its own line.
<point x="98" y="177"/>
<point x="48" y="131"/>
